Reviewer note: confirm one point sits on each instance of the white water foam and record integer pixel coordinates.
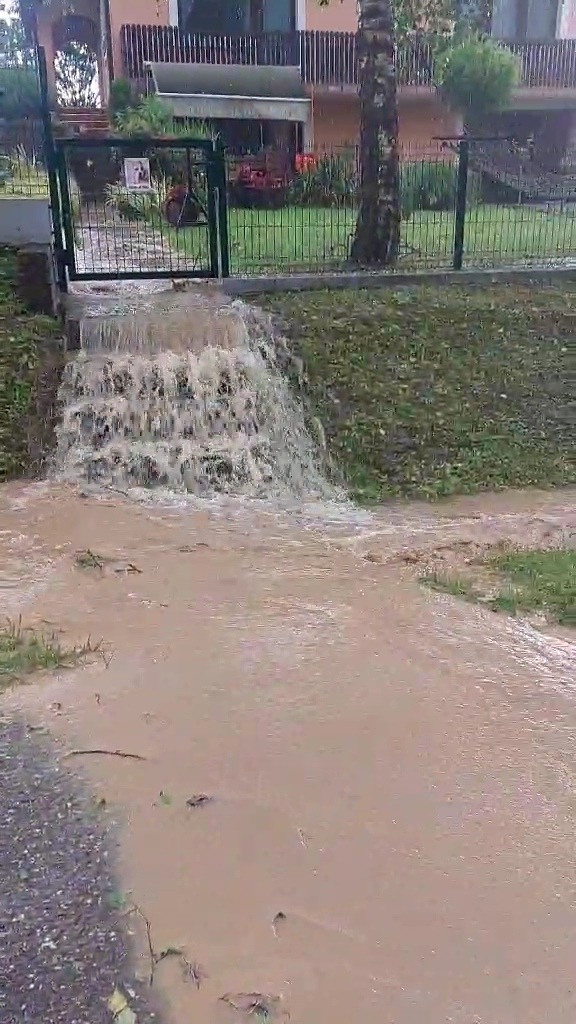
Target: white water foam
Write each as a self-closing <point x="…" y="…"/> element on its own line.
<point x="185" y="392"/>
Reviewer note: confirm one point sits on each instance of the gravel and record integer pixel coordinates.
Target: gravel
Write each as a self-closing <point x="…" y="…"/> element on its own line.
<point x="63" y="948"/>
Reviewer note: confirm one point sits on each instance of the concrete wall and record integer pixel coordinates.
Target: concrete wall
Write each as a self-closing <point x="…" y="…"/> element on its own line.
<point x="135" y="12"/>
<point x="24" y="222"/>
<point x="338" y="16"/>
<point x="567" y="20"/>
<point x="26" y="229"/>
<point x="544" y="19"/>
<point x="336" y="123"/>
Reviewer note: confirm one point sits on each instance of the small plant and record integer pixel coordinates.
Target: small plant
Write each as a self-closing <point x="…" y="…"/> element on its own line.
<point x="153" y="118"/>
<point x="24" y="651"/>
<point x="476" y="76"/>
<point x="329" y="180"/>
<point x="431" y="185"/>
<point x="133" y="206"/>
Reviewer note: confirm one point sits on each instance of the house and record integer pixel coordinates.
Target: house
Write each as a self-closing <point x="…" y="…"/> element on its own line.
<point x="205" y="57"/>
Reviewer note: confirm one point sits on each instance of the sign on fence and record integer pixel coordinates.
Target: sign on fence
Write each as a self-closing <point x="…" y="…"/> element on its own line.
<point x="137" y="174"/>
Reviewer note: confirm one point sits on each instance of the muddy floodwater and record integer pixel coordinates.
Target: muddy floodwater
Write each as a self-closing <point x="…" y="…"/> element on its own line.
<point x="390" y="834"/>
<point x="346" y="798"/>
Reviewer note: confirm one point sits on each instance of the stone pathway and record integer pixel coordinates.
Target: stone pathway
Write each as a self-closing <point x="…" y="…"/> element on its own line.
<point x="63" y="946"/>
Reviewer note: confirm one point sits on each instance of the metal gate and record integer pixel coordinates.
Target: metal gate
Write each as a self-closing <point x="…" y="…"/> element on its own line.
<point x="148" y="208"/>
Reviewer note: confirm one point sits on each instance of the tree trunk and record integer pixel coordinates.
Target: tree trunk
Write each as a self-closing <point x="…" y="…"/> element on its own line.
<point x="378" y="226"/>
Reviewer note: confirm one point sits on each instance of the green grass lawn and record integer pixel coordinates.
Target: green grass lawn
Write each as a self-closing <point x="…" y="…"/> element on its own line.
<point x="30" y="362"/>
<point x="541" y="580"/>
<point x="431" y="392"/>
<point x="312" y="238"/>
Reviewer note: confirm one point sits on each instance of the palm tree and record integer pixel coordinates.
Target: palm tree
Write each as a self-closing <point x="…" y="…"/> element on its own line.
<point x="378" y="225"/>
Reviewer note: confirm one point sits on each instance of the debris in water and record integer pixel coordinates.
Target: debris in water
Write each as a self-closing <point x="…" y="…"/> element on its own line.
<point x="255" y="1003"/>
<point x="108" y="753"/>
<point x="279" y="919"/>
<point x="191" y="971"/>
<point x="199" y="800"/>
<point x="302" y="838"/>
<point x="89" y="560"/>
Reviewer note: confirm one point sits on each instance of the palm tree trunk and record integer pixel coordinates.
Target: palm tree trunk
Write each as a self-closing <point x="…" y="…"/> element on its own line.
<point x="378" y="226"/>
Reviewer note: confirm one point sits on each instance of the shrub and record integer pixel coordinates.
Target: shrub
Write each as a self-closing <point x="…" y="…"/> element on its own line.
<point x="133" y="206"/>
<point x="121" y="98"/>
<point x="329" y="180"/>
<point x="431" y="185"/>
<point x="152" y="118"/>
<point x="476" y="76"/>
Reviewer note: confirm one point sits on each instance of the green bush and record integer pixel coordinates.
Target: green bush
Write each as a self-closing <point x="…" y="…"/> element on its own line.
<point x="476" y="76"/>
<point x="121" y="98"/>
<point x="431" y="185"/>
<point x="152" y="118"/>
<point x="330" y="180"/>
<point x="133" y="206"/>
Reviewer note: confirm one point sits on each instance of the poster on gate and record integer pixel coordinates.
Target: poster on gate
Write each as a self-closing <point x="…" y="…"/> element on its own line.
<point x="137" y="174"/>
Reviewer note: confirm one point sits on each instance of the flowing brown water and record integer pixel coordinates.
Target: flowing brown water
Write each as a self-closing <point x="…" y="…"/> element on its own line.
<point x="184" y="393"/>
<point x="391" y="834"/>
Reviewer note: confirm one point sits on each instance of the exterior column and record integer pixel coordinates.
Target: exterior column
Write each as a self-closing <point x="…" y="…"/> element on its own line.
<point x="45" y="39"/>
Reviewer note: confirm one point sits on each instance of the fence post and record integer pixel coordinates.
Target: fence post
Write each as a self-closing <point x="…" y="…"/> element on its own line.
<point x="51" y="169"/>
<point x="460" y="210"/>
<point x="222" y="209"/>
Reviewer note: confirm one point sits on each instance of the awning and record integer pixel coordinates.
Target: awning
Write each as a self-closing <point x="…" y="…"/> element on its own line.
<point x="247" y="92"/>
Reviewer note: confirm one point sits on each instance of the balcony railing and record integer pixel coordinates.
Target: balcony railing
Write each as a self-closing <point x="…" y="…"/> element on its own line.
<point x="325" y="58"/>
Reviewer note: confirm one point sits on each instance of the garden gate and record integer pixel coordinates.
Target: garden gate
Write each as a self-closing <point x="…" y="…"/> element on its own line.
<point x="130" y="208"/>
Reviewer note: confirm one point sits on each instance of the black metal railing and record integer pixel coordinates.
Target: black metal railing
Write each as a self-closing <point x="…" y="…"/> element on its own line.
<point x="326" y="58"/>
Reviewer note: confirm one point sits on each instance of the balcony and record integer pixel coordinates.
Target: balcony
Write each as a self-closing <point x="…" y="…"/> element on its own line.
<point x="326" y="59"/>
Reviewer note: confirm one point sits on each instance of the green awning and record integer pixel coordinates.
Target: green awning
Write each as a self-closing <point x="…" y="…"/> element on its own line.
<point x="237" y="91"/>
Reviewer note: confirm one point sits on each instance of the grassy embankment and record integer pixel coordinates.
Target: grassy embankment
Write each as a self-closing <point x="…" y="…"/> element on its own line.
<point x="429" y="392"/>
<point x="30" y="361"/>
<point x="435" y="392"/>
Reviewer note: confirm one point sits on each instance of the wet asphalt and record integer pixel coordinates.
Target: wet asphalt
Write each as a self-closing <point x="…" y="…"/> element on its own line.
<point x="64" y="947"/>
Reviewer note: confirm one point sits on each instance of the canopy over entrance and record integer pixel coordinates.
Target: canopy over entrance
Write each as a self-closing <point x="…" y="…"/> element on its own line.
<point x="232" y="91"/>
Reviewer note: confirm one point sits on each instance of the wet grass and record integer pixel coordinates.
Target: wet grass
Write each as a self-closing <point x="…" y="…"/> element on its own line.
<point x="30" y="367"/>
<point x="24" y="651"/>
<point x="541" y="581"/>
<point x="312" y="238"/>
<point x="430" y="392"/>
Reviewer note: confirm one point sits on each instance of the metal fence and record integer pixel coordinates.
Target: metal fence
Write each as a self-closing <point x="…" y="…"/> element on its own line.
<point x="464" y="205"/>
<point x="22" y="149"/>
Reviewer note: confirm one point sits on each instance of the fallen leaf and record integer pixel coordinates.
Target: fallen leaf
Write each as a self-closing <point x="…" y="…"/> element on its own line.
<point x="120" y="1008"/>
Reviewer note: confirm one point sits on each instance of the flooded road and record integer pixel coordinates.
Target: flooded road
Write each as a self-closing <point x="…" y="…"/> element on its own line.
<point x="390" y="837"/>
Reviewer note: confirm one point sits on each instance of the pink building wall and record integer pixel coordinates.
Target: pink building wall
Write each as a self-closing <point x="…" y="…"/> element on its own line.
<point x="338" y="16"/>
<point x="567" y="20"/>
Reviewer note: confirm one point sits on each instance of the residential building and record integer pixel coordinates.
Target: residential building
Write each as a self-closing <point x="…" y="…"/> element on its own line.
<point x="140" y="38"/>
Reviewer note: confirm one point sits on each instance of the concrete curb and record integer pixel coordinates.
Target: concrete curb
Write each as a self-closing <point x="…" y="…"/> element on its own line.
<point x="254" y="285"/>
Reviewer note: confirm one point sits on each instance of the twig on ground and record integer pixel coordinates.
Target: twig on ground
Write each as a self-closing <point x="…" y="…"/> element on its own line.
<point x="152" y="955"/>
<point x="108" y="753"/>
